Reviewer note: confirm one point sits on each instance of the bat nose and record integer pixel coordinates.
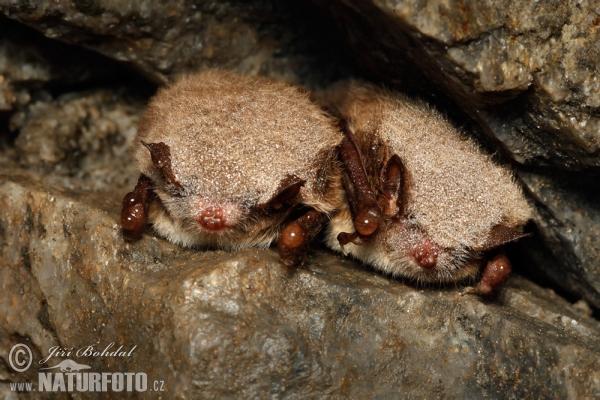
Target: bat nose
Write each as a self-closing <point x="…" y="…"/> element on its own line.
<point x="212" y="218"/>
<point x="426" y="253"/>
<point x="215" y="217"/>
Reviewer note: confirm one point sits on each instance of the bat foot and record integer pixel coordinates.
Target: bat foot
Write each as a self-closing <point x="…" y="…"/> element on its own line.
<point x="355" y="238"/>
<point x="134" y="214"/>
<point x="292" y="244"/>
<point x="295" y="236"/>
<point x="495" y="273"/>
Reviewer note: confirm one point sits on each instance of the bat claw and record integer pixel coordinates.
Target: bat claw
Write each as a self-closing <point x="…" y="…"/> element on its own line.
<point x="344" y="252"/>
<point x="355" y="238"/>
<point x="468" y="290"/>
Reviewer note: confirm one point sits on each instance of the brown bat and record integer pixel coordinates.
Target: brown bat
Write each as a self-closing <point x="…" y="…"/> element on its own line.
<point x="229" y="161"/>
<point x="423" y="201"/>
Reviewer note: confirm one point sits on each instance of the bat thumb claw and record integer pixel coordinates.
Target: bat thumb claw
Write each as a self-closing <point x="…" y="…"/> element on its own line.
<point x="468" y="290"/>
<point x="344" y="252"/>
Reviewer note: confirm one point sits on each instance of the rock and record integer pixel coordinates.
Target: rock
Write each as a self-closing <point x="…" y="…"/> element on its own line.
<point x="9" y="58"/>
<point x="80" y="135"/>
<point x="162" y="39"/>
<point x="523" y="71"/>
<point x="217" y="324"/>
<point x="32" y="67"/>
<point x="567" y="221"/>
<point x="211" y="323"/>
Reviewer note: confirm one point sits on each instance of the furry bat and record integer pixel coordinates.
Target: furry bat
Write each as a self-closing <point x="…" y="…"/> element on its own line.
<point x="229" y="161"/>
<point x="423" y="202"/>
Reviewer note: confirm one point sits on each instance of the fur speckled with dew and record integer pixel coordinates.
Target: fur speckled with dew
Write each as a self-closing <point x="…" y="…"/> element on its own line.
<point x="234" y="141"/>
<point x="453" y="195"/>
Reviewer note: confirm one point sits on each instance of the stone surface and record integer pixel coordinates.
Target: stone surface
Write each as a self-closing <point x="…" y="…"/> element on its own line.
<point x="33" y="68"/>
<point x="211" y="324"/>
<point x="80" y="135"/>
<point x="161" y="39"/>
<point x="521" y="71"/>
<point x="524" y="71"/>
<point x="567" y="221"/>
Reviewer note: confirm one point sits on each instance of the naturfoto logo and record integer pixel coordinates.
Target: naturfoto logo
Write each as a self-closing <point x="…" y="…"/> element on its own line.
<point x="67" y="375"/>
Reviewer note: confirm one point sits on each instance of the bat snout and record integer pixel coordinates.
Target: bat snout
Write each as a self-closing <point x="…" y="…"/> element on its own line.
<point x="215" y="216"/>
<point x="426" y="253"/>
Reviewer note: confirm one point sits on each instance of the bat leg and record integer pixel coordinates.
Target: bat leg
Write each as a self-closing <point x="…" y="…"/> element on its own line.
<point x="134" y="214"/>
<point x="295" y="236"/>
<point x="495" y="273"/>
<point x="361" y="198"/>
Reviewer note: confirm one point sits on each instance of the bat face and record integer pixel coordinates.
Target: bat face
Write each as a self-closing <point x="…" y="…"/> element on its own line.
<point x="401" y="248"/>
<point x="215" y="215"/>
<point x="228" y="158"/>
<point x="192" y="219"/>
<point x="439" y="202"/>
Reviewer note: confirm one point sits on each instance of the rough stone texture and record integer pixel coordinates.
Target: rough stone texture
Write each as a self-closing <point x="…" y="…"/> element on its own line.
<point x="524" y="71"/>
<point x="33" y="67"/>
<point x="567" y="221"/>
<point x="34" y="70"/>
<point x="162" y="39"/>
<point x="80" y="135"/>
<point x="214" y="324"/>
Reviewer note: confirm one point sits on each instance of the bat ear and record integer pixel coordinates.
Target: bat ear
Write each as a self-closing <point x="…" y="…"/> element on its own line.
<point x="160" y="153"/>
<point x="288" y="190"/>
<point x="393" y="182"/>
<point x="500" y="235"/>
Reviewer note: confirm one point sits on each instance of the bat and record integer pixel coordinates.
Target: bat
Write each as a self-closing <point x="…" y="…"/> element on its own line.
<point x="423" y="201"/>
<point x="230" y="161"/>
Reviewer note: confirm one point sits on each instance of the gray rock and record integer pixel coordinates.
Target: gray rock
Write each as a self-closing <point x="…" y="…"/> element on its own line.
<point x="80" y="135"/>
<point x="524" y="71"/>
<point x="567" y="221"/>
<point x="32" y="66"/>
<point x="215" y="324"/>
<point x="28" y="70"/>
<point x="162" y="39"/>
